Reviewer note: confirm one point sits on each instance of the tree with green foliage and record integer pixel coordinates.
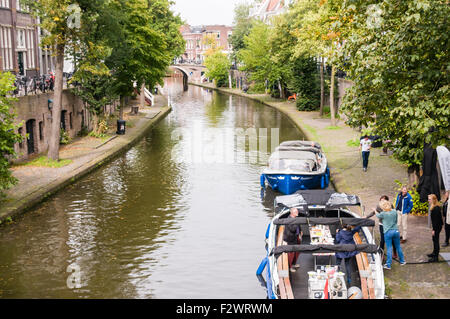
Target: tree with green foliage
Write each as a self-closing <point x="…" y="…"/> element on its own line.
<point x="305" y="82"/>
<point x="242" y="26"/>
<point x="218" y="66"/>
<point x="140" y="50"/>
<point x="90" y="50"/>
<point x="298" y="73"/>
<point x="321" y="32"/>
<point x="167" y="23"/>
<point x="268" y="55"/>
<point x="8" y="129"/>
<point x="256" y="57"/>
<point x="62" y="21"/>
<point x="54" y="15"/>
<point x="398" y="58"/>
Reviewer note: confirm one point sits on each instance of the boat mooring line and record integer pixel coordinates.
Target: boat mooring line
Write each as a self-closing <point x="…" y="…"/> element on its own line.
<point x="422" y="262"/>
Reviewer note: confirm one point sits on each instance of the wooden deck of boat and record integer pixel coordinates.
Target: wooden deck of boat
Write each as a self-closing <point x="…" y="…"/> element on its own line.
<point x="299" y="279"/>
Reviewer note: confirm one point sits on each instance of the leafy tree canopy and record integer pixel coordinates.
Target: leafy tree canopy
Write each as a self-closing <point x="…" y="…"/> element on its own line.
<point x="398" y="57"/>
<point x="218" y="65"/>
<point x="8" y="135"/>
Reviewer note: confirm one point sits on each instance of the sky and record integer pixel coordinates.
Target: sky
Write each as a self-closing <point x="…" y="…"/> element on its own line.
<point x="203" y="12"/>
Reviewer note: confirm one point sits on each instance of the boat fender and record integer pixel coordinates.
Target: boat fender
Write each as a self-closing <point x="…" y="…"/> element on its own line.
<point x="262" y="266"/>
<point x="263" y="180"/>
<point x="354" y="293"/>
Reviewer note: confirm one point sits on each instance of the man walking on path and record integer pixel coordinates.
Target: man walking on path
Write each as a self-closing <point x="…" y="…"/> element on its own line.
<point x="365" y="145"/>
<point x="403" y="205"/>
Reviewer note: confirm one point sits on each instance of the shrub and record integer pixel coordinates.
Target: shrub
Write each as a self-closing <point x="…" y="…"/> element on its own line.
<point x="305" y="103"/>
<point x="8" y="131"/>
<point x="419" y="208"/>
<point x="64" y="138"/>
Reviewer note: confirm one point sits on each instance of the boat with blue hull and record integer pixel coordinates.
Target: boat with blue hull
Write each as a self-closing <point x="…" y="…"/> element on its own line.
<point x="297" y="165"/>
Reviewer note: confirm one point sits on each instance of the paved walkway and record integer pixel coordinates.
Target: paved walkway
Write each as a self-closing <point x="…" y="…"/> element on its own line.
<point x="411" y="281"/>
<point x="86" y="153"/>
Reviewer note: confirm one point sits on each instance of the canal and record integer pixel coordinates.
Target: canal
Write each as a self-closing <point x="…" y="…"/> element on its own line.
<point x="180" y="215"/>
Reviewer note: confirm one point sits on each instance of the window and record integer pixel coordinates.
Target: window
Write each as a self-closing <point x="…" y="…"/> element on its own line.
<point x="70" y="120"/>
<point x="21" y="6"/>
<point x="30" y="49"/>
<point x="6" y="50"/>
<point x="25" y="43"/>
<point x="4" y="3"/>
<point x="20" y="38"/>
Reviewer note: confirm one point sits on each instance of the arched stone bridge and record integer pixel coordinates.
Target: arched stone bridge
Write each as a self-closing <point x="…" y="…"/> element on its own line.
<point x="191" y="72"/>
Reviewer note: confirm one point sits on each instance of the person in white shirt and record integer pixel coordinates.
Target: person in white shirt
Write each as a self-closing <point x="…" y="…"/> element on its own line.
<point x="365" y="145"/>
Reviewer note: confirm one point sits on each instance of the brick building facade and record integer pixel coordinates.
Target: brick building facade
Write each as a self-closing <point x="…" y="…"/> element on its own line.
<point x="20" y="36"/>
<point x="196" y="45"/>
<point x="21" y="54"/>
<point x="267" y="9"/>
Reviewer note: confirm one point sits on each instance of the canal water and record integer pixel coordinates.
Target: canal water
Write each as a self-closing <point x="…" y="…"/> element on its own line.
<point x="180" y="215"/>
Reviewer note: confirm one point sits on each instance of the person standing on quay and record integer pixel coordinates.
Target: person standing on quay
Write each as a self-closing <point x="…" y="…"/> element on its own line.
<point x="382" y="242"/>
<point x="391" y="233"/>
<point x="404" y="205"/>
<point x="436" y="223"/>
<point x="446" y="215"/>
<point x="364" y="146"/>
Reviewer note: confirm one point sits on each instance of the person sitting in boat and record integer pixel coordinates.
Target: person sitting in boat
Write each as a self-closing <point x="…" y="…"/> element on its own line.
<point x="293" y="236"/>
<point x="318" y="162"/>
<point x="345" y="236"/>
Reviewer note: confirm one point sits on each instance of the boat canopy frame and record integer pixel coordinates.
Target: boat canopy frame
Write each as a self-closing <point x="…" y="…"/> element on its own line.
<point x="327" y="198"/>
<point x="299" y="143"/>
<point x="323" y="248"/>
<point x="362" y="222"/>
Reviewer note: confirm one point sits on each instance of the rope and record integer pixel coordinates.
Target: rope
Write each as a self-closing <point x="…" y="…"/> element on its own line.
<point x="415" y="262"/>
<point x="422" y="262"/>
<point x="351" y="166"/>
<point x="354" y="151"/>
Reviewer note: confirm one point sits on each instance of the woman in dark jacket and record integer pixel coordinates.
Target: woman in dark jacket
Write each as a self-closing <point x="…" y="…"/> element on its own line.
<point x="436" y="222"/>
<point x="345" y="236"/>
<point x="445" y="212"/>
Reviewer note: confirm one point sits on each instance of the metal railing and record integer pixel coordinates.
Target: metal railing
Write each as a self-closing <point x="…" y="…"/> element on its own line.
<point x="38" y="84"/>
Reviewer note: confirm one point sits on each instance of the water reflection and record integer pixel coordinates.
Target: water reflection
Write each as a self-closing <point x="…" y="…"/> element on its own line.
<point x="152" y="224"/>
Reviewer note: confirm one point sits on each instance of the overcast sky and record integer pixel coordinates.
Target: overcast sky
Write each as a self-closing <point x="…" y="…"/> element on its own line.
<point x="198" y="12"/>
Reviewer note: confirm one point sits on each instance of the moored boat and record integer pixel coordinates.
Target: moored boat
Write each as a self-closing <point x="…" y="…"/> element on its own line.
<point x="321" y="213"/>
<point x="297" y="165"/>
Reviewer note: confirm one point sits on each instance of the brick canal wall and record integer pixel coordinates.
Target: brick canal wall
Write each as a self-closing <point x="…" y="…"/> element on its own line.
<point x="35" y="117"/>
